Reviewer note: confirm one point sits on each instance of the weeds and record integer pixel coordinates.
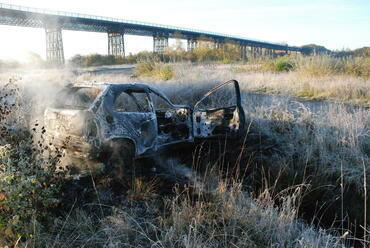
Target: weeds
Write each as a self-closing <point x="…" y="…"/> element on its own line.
<point x="142" y="190"/>
<point x="155" y="70"/>
<point x="328" y="66"/>
<point x="319" y="66"/>
<point x="282" y="64"/>
<point x="225" y="218"/>
<point x="29" y="180"/>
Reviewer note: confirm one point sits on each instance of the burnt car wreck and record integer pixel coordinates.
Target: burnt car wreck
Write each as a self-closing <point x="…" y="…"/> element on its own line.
<point x="104" y="122"/>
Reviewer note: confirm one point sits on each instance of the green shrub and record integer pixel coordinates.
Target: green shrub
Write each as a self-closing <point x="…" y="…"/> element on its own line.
<point x="144" y="69"/>
<point x="29" y="181"/>
<point x="156" y="70"/>
<point x="279" y="65"/>
<point x="163" y="72"/>
<point x="283" y="64"/>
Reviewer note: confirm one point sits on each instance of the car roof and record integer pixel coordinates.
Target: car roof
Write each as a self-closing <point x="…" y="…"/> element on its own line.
<point x="120" y="87"/>
<point x="88" y="84"/>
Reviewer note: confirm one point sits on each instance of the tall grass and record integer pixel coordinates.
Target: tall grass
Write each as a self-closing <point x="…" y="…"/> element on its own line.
<point x="303" y="83"/>
<point x="320" y="65"/>
<point x="228" y="218"/>
<point x="328" y="66"/>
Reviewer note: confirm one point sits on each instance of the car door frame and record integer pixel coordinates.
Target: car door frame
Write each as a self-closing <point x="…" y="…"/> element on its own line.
<point x="125" y="127"/>
<point x="173" y="107"/>
<point x="200" y="116"/>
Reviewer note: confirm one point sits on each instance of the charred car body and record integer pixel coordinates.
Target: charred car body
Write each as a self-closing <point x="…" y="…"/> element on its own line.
<point x="98" y="120"/>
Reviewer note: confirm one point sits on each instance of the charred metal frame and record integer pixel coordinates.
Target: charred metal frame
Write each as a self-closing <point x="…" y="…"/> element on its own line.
<point x="54" y="46"/>
<point x="148" y="131"/>
<point x="116" y="44"/>
<point x="204" y="120"/>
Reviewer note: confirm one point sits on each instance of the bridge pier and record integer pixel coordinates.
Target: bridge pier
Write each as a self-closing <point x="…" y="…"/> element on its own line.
<point x="116" y="44"/>
<point x="260" y="52"/>
<point x="273" y="53"/>
<point x="160" y="43"/>
<point x="243" y="52"/>
<point x="264" y="52"/>
<point x="217" y="44"/>
<point x="54" y="46"/>
<point x="192" y="44"/>
<point x="269" y="53"/>
<point x="253" y="52"/>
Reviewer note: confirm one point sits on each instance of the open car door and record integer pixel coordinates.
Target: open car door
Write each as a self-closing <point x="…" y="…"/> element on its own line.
<point x="219" y="112"/>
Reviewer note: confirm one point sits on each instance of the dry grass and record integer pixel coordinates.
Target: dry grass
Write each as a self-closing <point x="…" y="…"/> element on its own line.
<point x="332" y="87"/>
<point x="329" y="66"/>
<point x="225" y="218"/>
<point x="321" y="132"/>
<point x="327" y="126"/>
<point x="338" y="88"/>
<point x="322" y="141"/>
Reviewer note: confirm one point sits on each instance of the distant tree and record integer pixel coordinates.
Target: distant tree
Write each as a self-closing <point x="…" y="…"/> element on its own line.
<point x="364" y="51"/>
<point x="35" y="60"/>
<point x="313" y="49"/>
<point x="77" y="60"/>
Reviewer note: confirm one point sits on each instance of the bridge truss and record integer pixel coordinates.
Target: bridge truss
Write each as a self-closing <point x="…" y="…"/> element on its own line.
<point x="55" y="21"/>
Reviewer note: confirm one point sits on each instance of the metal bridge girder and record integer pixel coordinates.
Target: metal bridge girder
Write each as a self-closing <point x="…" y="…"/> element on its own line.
<point x="54" y="46"/>
<point x="160" y="43"/>
<point x="116" y="44"/>
<point x="37" y="18"/>
<point x="243" y="52"/>
<point x="192" y="44"/>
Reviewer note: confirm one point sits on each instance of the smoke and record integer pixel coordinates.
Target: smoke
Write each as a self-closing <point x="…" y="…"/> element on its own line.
<point x="37" y="89"/>
<point x="173" y="169"/>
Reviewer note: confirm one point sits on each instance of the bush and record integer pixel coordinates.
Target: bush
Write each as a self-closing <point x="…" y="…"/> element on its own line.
<point x="96" y="60"/>
<point x="279" y="65"/>
<point x="205" y="52"/>
<point x="29" y="181"/>
<point x="282" y="64"/>
<point x="156" y="70"/>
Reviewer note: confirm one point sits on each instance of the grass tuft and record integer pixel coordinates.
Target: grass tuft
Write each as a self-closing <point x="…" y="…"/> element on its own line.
<point x="282" y="64"/>
<point x="155" y="70"/>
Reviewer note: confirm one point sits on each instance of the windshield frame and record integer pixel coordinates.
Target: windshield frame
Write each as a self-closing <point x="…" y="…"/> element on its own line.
<point x="70" y="91"/>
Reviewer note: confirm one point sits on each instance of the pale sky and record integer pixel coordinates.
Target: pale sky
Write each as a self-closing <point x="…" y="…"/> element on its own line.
<point x="336" y="24"/>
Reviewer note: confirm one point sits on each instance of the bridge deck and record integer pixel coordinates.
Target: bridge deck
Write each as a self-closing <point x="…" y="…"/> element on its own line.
<point x="40" y="18"/>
